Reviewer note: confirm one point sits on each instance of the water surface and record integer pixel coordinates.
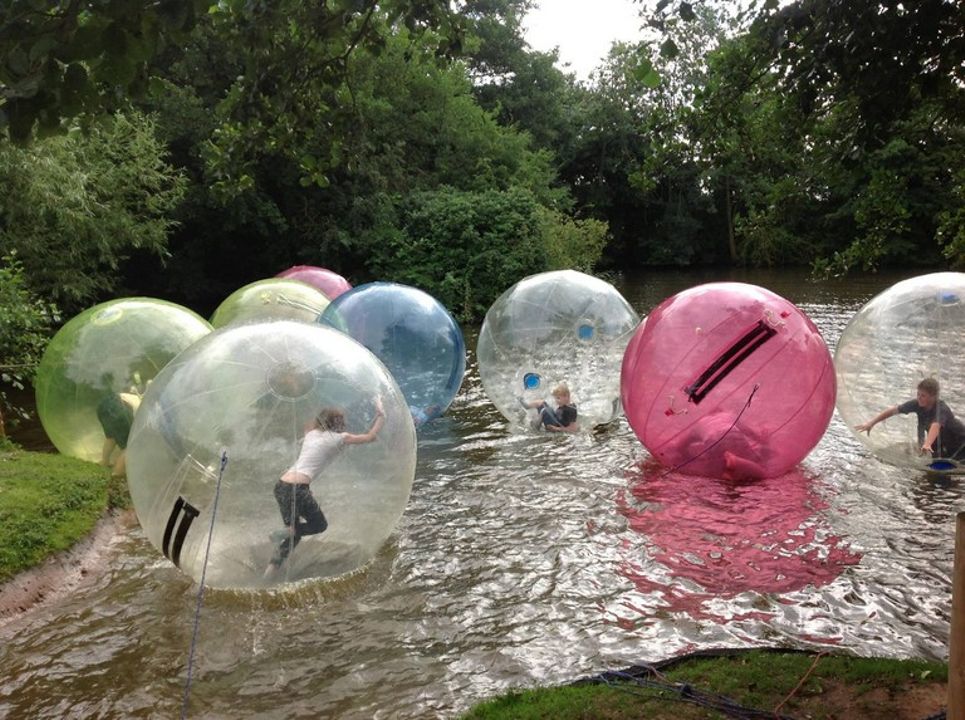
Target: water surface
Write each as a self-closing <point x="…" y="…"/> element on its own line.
<point x="523" y="560"/>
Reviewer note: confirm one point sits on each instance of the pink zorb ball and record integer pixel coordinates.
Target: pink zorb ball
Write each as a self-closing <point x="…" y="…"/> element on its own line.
<point x="728" y="380"/>
<point x="330" y="283"/>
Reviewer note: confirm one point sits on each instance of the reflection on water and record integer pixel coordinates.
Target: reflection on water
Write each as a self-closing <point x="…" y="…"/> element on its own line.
<point x="522" y="560"/>
<point x="696" y="555"/>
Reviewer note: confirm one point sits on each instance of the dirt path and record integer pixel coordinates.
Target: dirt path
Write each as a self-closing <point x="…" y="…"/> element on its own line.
<point x="62" y="573"/>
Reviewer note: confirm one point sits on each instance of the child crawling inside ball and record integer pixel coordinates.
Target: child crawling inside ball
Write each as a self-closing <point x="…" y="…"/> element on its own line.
<point x="940" y="433"/>
<point x="300" y="512"/>
<point x="562" y="418"/>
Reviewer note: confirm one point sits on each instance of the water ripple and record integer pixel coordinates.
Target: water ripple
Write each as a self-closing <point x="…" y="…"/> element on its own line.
<point x="522" y="559"/>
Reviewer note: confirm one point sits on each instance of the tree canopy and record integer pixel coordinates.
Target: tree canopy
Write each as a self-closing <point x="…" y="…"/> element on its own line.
<point x="814" y="142"/>
<point x="182" y="148"/>
<point x="60" y="59"/>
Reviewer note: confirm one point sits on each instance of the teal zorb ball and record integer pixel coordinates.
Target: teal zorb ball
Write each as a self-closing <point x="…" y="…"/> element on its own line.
<point x="108" y="350"/>
<point x="251" y="394"/>
<point x="559" y="327"/>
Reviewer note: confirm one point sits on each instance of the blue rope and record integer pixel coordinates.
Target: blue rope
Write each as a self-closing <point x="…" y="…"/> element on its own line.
<point x="683" y="692"/>
<point x="204" y="569"/>
<point x="650" y="677"/>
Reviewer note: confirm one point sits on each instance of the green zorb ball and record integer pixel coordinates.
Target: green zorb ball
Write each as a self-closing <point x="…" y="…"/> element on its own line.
<point x="111" y="348"/>
<point x="271" y="299"/>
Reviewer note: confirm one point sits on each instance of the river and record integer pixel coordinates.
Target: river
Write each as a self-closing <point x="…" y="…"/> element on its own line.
<point x="522" y="560"/>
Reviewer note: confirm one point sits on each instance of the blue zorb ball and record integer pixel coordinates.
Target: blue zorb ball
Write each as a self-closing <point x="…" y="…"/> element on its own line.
<point x="413" y="334"/>
<point x="254" y="392"/>
<point x="560" y="327"/>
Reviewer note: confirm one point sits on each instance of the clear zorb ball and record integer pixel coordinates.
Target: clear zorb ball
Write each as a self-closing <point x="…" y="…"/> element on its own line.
<point x="252" y="391"/>
<point x="913" y="330"/>
<point x="556" y="327"/>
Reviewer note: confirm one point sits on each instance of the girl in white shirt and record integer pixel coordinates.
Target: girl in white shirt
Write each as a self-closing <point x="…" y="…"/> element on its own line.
<point x="299" y="510"/>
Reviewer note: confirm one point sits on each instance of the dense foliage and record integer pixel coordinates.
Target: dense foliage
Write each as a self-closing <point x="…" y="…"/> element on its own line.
<point x="25" y="321"/>
<point x="186" y="147"/>
<point x="820" y="144"/>
<point x="397" y="123"/>
<point x="74" y="207"/>
<point x="470" y="246"/>
<point x="60" y="59"/>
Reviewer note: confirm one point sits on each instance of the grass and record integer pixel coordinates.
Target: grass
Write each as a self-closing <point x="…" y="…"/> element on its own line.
<point x="47" y="503"/>
<point x="794" y="684"/>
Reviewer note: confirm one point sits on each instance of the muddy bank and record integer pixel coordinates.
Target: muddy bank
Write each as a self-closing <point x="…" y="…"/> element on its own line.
<point x="64" y="572"/>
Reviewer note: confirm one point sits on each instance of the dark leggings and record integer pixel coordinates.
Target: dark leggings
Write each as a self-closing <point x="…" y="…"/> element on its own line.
<point x="299" y="510"/>
<point x="953" y="453"/>
<point x="548" y="416"/>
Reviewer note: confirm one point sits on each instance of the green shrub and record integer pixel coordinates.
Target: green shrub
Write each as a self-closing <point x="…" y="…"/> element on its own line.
<point x="74" y="207"/>
<point x="464" y="248"/>
<point x="25" y="325"/>
<point x="47" y="503"/>
<point x="571" y="243"/>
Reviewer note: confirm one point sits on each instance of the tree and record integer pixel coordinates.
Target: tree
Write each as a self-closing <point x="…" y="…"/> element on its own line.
<point x="398" y="122"/>
<point x="951" y="228"/>
<point x="683" y="227"/>
<point x="610" y="146"/>
<point x="291" y="58"/>
<point x="73" y="208"/>
<point x="636" y="163"/>
<point x="894" y="203"/>
<point x="25" y="324"/>
<point x="829" y="144"/>
<point x="750" y="144"/>
<point x="523" y="88"/>
<point x="463" y="247"/>
<point x="494" y="44"/>
<point x="904" y="54"/>
<point x="902" y="80"/>
<point x="62" y="58"/>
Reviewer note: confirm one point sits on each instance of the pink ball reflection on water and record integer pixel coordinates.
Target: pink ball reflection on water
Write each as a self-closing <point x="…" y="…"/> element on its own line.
<point x="728" y="380"/>
<point x="708" y="539"/>
<point x="330" y="283"/>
